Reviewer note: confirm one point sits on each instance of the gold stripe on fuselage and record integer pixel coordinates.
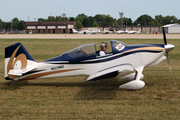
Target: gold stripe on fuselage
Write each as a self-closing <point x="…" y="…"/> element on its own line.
<point x="146" y="48"/>
<point x="47" y="73"/>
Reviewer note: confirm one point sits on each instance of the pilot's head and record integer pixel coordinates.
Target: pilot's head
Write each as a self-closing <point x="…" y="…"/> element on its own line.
<point x="103" y="46"/>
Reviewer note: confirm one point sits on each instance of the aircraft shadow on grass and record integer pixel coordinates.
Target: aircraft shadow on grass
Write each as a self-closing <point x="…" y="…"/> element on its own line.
<point x="103" y="89"/>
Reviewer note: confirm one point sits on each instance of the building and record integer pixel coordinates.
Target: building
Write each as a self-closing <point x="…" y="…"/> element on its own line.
<point x="172" y="28"/>
<point x="50" y="27"/>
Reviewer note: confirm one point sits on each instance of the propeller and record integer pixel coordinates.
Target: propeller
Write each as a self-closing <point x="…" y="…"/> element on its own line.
<point x="167" y="55"/>
<point x="168" y="48"/>
<point x="164" y="36"/>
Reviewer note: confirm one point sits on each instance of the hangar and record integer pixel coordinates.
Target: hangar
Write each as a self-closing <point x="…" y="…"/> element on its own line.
<point x="50" y="27"/>
<point x="172" y="28"/>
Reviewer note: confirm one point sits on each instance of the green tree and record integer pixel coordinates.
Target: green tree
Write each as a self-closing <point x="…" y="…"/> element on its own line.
<point x="160" y="19"/>
<point x="7" y="25"/>
<point x="154" y="23"/>
<point x="58" y="18"/>
<point x="78" y="25"/>
<point x="115" y="23"/>
<point x="80" y="17"/>
<point x="71" y="19"/>
<point x="126" y="21"/>
<point x="1" y="25"/>
<point x="129" y="22"/>
<point x="91" y="20"/>
<point x="21" y="25"/>
<point x="143" y="20"/>
<point x="171" y="19"/>
<point x="15" y="22"/>
<point x="166" y="20"/>
<point x="109" y="20"/>
<point x="95" y="24"/>
<point x="41" y="19"/>
<point x="51" y="18"/>
<point x="101" y="19"/>
<point x="86" y="22"/>
<point x="66" y="19"/>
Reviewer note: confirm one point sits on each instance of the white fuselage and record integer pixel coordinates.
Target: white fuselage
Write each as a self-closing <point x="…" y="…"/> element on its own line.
<point x="57" y="69"/>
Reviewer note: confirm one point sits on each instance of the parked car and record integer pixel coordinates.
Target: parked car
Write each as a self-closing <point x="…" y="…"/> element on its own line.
<point x="16" y="32"/>
<point x="21" y="32"/>
<point x="2" y="32"/>
<point x="10" y="32"/>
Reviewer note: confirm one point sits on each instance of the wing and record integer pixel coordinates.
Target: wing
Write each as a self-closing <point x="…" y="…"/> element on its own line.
<point x="122" y="69"/>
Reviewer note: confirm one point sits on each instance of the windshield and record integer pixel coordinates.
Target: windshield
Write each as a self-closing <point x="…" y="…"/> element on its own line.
<point x="81" y="52"/>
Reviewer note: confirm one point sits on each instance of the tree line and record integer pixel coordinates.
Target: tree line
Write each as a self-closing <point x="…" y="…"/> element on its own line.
<point x="15" y="24"/>
<point x="83" y="20"/>
<point x="100" y="20"/>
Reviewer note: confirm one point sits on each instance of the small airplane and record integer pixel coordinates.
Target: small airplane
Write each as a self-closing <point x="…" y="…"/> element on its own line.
<point x="91" y="32"/>
<point x="121" y="32"/>
<point x="110" y="31"/>
<point x="133" y="32"/>
<point x="126" y="61"/>
<point x="85" y="32"/>
<point x="78" y="32"/>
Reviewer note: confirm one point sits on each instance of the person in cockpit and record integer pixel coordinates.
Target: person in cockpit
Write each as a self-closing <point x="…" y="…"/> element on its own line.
<point x="103" y="48"/>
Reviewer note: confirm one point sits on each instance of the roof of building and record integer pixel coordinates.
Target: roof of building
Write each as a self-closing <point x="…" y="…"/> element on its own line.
<point x="171" y="25"/>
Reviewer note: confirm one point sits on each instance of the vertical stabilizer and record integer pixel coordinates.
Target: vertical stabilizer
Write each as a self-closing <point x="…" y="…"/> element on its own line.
<point x="139" y="31"/>
<point x="17" y="61"/>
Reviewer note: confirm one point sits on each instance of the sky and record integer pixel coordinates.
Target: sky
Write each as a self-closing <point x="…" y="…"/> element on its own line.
<point x="34" y="9"/>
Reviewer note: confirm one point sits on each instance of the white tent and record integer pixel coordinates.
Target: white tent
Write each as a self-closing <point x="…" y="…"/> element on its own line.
<point x="171" y="28"/>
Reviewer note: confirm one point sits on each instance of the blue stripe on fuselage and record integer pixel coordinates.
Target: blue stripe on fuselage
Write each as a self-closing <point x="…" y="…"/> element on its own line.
<point x="115" y="55"/>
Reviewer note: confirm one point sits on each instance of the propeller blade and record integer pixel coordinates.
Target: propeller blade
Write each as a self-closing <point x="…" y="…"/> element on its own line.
<point x="167" y="56"/>
<point x="164" y="35"/>
<point x="168" y="47"/>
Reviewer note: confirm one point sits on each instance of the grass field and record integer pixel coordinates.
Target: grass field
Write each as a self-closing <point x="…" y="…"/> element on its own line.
<point x="72" y="98"/>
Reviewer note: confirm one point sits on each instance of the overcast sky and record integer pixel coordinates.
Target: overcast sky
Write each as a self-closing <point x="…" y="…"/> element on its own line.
<point x="22" y="9"/>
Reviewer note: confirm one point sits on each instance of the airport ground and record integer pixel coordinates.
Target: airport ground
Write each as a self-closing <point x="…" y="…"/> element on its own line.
<point x="89" y="36"/>
<point x="72" y="98"/>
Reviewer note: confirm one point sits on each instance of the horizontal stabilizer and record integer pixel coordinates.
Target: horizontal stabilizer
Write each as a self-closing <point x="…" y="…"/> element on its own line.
<point x="19" y="72"/>
<point x="112" y="72"/>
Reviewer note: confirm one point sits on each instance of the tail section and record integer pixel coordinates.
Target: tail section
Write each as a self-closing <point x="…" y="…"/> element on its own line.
<point x="17" y="61"/>
<point x="139" y="31"/>
<point x="99" y="31"/>
<point x="74" y="31"/>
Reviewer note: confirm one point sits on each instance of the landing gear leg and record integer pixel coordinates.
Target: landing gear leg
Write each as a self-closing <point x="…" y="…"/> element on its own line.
<point x="135" y="84"/>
